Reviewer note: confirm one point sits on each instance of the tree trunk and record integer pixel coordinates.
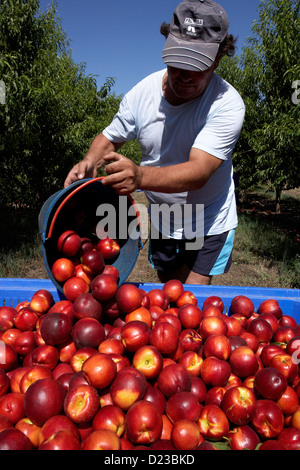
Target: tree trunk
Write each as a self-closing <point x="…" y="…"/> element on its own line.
<point x="277" y="200"/>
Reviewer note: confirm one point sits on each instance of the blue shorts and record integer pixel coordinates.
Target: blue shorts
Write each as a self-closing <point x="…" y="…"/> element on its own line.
<point x="215" y="256"/>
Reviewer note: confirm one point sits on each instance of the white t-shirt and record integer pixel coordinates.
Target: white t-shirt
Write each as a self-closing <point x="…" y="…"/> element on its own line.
<point x="166" y="134"/>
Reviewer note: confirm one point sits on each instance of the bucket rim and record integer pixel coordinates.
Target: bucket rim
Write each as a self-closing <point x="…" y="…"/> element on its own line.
<point x="52" y="213"/>
<point x="85" y="183"/>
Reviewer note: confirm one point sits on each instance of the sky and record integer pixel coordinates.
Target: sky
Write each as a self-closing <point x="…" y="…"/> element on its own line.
<point x="122" y="39"/>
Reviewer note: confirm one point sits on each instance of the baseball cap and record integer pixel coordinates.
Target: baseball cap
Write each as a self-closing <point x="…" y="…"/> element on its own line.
<point x="196" y="31"/>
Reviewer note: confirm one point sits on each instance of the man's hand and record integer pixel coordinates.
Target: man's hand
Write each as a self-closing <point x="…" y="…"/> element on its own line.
<point x="83" y="169"/>
<point x="93" y="161"/>
<point x="123" y="173"/>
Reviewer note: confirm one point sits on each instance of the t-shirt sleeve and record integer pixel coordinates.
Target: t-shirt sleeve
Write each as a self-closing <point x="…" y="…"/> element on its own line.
<point x="221" y="130"/>
<point x="123" y="127"/>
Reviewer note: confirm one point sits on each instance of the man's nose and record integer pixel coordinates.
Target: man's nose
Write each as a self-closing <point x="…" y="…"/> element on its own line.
<point x="186" y="75"/>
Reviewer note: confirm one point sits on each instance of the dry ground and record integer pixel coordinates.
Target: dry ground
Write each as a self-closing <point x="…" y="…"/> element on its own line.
<point x="242" y="272"/>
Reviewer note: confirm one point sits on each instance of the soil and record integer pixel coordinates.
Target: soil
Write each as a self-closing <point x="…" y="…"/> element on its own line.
<point x="242" y="272"/>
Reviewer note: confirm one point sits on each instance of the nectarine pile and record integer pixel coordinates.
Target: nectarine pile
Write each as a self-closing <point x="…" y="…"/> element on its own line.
<point x="122" y="368"/>
<point x="80" y="260"/>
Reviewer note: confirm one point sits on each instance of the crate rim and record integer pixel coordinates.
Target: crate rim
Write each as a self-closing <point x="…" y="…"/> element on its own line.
<point x="25" y="284"/>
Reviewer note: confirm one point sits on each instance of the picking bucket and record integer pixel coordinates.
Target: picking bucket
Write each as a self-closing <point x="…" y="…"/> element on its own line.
<point x="81" y="207"/>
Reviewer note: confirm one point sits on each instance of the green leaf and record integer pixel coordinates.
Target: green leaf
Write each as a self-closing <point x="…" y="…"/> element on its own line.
<point x="222" y="445"/>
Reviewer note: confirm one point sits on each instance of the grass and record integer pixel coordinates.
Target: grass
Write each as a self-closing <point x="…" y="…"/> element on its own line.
<point x="258" y="242"/>
<point x="266" y="254"/>
<point x="20" y="243"/>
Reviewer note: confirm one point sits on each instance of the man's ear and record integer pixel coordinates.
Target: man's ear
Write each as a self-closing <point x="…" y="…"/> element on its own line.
<point x="216" y="63"/>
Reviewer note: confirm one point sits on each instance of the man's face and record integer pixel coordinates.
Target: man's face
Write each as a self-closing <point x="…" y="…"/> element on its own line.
<point x="187" y="85"/>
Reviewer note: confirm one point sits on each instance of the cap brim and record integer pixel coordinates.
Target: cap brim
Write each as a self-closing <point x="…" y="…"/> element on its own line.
<point x="189" y="55"/>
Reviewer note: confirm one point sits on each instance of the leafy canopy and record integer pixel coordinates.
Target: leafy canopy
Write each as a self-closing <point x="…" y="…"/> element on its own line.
<point x="266" y="75"/>
<point x="52" y="109"/>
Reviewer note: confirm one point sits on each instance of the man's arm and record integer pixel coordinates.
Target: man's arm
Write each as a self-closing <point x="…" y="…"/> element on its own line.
<point x="125" y="176"/>
<point x="93" y="161"/>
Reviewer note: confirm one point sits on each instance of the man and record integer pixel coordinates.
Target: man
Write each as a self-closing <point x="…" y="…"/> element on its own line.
<point x="187" y="121"/>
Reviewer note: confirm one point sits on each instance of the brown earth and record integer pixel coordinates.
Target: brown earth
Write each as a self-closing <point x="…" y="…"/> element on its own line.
<point x="243" y="272"/>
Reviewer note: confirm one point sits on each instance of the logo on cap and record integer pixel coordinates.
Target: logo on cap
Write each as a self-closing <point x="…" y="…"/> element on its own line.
<point x="193" y="22"/>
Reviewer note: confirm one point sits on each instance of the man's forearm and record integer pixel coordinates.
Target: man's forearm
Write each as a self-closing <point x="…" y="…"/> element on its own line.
<point x="93" y="161"/>
<point x="176" y="178"/>
<point x="125" y="176"/>
<point x="181" y="177"/>
<point x="100" y="147"/>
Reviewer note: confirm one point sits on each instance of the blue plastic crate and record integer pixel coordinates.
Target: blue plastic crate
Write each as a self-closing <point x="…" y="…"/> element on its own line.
<point x="288" y="299"/>
<point x="13" y="291"/>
